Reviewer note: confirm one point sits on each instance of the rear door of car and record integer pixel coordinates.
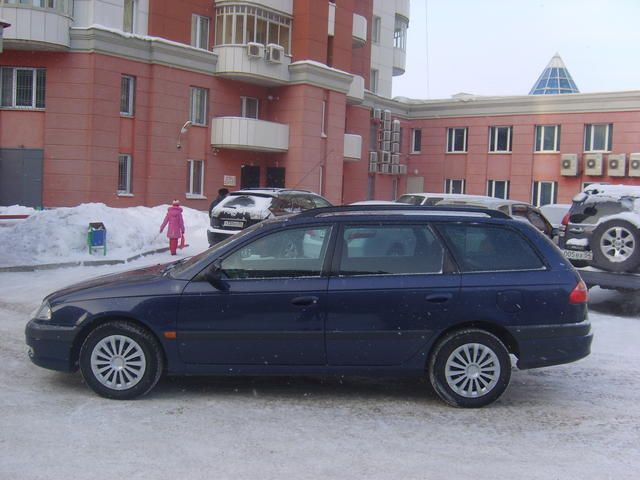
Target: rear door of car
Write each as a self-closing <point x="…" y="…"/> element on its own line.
<point x="388" y="293"/>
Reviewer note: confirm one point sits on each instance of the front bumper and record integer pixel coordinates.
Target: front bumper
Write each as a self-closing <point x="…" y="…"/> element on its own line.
<point x="50" y="346"/>
<point x="545" y="345"/>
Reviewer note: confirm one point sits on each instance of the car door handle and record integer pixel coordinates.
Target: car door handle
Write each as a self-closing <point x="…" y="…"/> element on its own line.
<point x="305" y="301"/>
<point x="439" y="298"/>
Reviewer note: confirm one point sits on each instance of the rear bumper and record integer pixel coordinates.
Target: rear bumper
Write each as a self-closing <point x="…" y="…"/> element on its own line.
<point x="545" y="345"/>
<point x="50" y="346"/>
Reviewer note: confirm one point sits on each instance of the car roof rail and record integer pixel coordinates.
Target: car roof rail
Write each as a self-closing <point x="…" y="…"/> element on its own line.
<point x="315" y="212"/>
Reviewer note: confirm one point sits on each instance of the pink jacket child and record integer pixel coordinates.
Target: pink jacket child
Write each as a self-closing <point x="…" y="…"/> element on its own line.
<point x="176" y="225"/>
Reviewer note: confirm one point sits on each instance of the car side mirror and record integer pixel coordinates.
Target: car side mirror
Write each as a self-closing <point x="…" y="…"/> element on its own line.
<point x="213" y="275"/>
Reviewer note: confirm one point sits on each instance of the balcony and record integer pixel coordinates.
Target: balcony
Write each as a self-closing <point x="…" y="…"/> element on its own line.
<point x="359" y="32"/>
<point x="254" y="65"/>
<point x="403" y="8"/>
<point x="249" y="134"/>
<point x="356" y="90"/>
<point x="352" y="147"/>
<point x="399" y="61"/>
<point x="36" y="28"/>
<point x="283" y="6"/>
<point x="3" y="25"/>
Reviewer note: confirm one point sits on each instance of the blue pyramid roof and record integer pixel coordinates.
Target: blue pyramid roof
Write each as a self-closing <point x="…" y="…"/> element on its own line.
<point x="555" y="79"/>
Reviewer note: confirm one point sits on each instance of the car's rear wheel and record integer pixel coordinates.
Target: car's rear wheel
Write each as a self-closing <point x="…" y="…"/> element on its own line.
<point x="616" y="246"/>
<point x="121" y="360"/>
<point x="470" y="368"/>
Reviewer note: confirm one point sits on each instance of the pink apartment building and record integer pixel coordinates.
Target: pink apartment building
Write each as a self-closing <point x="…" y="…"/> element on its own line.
<point x="137" y="102"/>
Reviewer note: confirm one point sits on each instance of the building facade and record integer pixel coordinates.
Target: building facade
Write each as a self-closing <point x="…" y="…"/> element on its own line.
<point x="137" y="102"/>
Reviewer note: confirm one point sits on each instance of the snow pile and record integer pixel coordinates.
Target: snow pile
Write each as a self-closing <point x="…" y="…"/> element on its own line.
<point x="60" y="235"/>
<point x="16" y="210"/>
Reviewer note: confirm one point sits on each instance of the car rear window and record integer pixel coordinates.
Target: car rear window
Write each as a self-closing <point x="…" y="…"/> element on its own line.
<point x="486" y="248"/>
<point x="247" y="202"/>
<point x="594" y="208"/>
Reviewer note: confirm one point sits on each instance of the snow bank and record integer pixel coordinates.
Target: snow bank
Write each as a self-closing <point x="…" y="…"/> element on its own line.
<point x="16" y="210"/>
<point x="60" y="235"/>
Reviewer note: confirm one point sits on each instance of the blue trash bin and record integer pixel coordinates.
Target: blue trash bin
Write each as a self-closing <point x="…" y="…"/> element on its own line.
<point x="97" y="237"/>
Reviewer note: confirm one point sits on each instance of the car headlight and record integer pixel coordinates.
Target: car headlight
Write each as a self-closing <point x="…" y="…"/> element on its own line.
<point x="43" y="312"/>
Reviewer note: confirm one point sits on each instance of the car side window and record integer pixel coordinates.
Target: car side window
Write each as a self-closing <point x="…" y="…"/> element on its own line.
<point x="298" y="252"/>
<point x="485" y="248"/>
<point x="319" y="202"/>
<point x="390" y="250"/>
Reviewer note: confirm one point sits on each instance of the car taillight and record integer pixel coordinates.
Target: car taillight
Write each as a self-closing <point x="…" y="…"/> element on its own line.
<point x="565" y="219"/>
<point x="580" y="294"/>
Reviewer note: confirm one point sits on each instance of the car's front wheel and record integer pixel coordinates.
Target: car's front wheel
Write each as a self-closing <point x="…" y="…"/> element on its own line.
<point x="121" y="360"/>
<point x="470" y="368"/>
<point x="616" y="246"/>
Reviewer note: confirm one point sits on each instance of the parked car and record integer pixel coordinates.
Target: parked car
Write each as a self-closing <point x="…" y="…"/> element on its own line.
<point x="603" y="228"/>
<point x="244" y="208"/>
<point x="317" y="293"/>
<point x="518" y="210"/>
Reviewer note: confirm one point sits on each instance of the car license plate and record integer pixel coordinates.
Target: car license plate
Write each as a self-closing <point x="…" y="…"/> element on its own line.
<point x="578" y="254"/>
<point x="232" y="223"/>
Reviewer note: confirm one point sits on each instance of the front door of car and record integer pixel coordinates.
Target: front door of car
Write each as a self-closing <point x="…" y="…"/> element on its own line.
<point x="388" y="293"/>
<point x="268" y="307"/>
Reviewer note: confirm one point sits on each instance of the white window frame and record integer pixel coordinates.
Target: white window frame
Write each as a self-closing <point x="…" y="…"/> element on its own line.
<point x="449" y="182"/>
<point x="195" y="191"/>
<point x="198" y="113"/>
<point x="451" y="142"/>
<point x="413" y="140"/>
<point x="491" y="188"/>
<point x="127" y="191"/>
<point x="14" y="88"/>
<point x="198" y="22"/>
<point x="494" y="132"/>
<point x="376" y="29"/>
<point x="590" y="128"/>
<point x="133" y="7"/>
<point x="130" y="93"/>
<point x="323" y="120"/>
<point x="243" y="107"/>
<point x="536" y="193"/>
<point x="374" y="80"/>
<point x="540" y="137"/>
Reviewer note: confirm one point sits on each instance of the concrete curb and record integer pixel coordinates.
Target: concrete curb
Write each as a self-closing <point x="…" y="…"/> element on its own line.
<point x="82" y="263"/>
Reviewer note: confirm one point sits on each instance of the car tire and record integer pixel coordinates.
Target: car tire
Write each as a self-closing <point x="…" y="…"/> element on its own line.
<point x="616" y="246"/>
<point x="469" y="368"/>
<point x="121" y="360"/>
<point x="579" y="263"/>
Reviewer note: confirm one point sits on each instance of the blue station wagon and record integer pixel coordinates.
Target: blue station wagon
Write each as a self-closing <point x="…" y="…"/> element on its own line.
<point x="443" y="292"/>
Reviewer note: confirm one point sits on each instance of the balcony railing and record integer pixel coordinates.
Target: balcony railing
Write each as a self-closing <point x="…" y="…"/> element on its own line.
<point x="37" y="24"/>
<point x="249" y="134"/>
<point x="253" y="63"/>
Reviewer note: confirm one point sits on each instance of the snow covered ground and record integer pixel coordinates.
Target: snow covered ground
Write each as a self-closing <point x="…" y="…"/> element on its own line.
<point x="576" y="421"/>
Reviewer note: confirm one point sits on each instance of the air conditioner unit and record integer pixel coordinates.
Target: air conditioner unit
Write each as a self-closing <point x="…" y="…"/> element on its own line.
<point x="255" y="50"/>
<point x="386" y="157"/>
<point x="387" y="125"/>
<point x="384" y="168"/>
<point x="395" y="137"/>
<point x="386" y="136"/>
<point x="634" y="165"/>
<point x="569" y="165"/>
<point x="395" y="159"/>
<point x="395" y="126"/>
<point x="275" y="53"/>
<point x="376" y="114"/>
<point x="617" y="165"/>
<point x="402" y="169"/>
<point x="373" y="157"/>
<point x="386" y="116"/>
<point x="386" y="146"/>
<point x="373" y="167"/>
<point x="395" y="169"/>
<point x="395" y="147"/>
<point x="593" y="164"/>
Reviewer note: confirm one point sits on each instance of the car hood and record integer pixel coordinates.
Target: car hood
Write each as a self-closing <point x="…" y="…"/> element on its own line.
<point x="137" y="282"/>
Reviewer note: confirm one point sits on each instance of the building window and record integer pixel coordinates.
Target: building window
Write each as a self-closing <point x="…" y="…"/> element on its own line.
<point x="598" y="138"/>
<point x="544" y="193"/>
<point x="375" y="29"/>
<point x="456" y="140"/>
<point x="124" y="174"/>
<point x="547" y="138"/>
<point x="198" y="105"/>
<point x="416" y="140"/>
<point x="195" y="178"/>
<point x="22" y="87"/>
<point x="498" y="188"/>
<point x="400" y="33"/>
<point x="129" y="18"/>
<point x="200" y="31"/>
<point x="63" y="6"/>
<point x="323" y="120"/>
<point x="373" y="81"/>
<point x="249" y="107"/>
<point x="241" y="24"/>
<point x="453" y="186"/>
<point x="127" y="95"/>
<point x="500" y="139"/>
